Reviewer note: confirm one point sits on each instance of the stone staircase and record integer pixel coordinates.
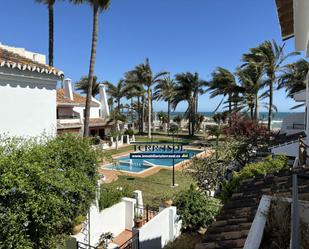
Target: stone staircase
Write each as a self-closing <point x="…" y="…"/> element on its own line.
<point x="232" y="226"/>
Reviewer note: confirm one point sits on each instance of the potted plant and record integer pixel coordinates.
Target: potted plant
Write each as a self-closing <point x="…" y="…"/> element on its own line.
<point x="78" y="224"/>
<point x="138" y="220"/>
<point x="105" y="239"/>
<point x="167" y="201"/>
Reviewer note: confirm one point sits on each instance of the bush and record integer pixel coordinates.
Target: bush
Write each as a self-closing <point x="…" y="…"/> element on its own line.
<point x="196" y="209"/>
<point x="268" y="166"/>
<point x="110" y="195"/>
<point x="129" y="132"/>
<point x="45" y="185"/>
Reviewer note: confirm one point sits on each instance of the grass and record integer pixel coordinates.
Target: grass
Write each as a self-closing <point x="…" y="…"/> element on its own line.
<point x="120" y="150"/>
<point x="157" y="186"/>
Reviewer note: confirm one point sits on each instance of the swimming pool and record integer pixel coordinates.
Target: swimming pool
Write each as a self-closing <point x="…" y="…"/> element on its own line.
<point x="138" y="165"/>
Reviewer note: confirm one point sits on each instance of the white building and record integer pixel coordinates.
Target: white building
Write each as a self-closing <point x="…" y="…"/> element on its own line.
<point x="71" y="112"/>
<point x="294" y="22"/>
<point x="27" y="93"/>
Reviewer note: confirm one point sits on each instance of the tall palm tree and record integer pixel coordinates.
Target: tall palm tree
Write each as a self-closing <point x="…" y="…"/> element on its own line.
<point x="270" y="56"/>
<point x="293" y="77"/>
<point x="82" y="85"/>
<point x="223" y="83"/>
<point x="250" y="78"/>
<point x="187" y="88"/>
<point x="50" y="6"/>
<point x="115" y="91"/>
<point x="131" y="91"/>
<point x="143" y="74"/>
<point x="97" y="6"/>
<point x="165" y="90"/>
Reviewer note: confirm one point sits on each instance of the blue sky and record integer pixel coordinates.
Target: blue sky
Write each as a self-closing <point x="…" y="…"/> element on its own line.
<point x="176" y="35"/>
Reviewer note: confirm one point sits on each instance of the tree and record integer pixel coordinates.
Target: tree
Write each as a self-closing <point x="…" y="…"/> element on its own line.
<point x="82" y="85"/>
<point x="143" y="74"/>
<point x="134" y="88"/>
<point x="116" y="91"/>
<point x="165" y="90"/>
<point x="163" y="117"/>
<point x="98" y="6"/>
<point x="116" y="117"/>
<point x="223" y="83"/>
<point x="50" y="6"/>
<point x="188" y="87"/>
<point x="45" y="185"/>
<point x="250" y="78"/>
<point x="270" y="56"/>
<point x="293" y="77"/>
<point x="196" y="209"/>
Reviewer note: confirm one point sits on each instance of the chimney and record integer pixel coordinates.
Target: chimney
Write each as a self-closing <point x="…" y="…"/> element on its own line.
<point x="68" y="92"/>
<point x="104" y="103"/>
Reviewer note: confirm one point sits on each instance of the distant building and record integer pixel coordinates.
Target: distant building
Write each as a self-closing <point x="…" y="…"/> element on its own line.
<point x="71" y="112"/>
<point x="27" y="93"/>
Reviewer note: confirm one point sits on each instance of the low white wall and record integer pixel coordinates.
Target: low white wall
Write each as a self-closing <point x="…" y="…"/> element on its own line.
<point x="288" y="149"/>
<point x="114" y="219"/>
<point x="160" y="230"/>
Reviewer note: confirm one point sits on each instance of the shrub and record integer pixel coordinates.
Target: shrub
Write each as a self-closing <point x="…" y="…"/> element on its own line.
<point x="268" y="166"/>
<point x="45" y="185"/>
<point x="110" y="195"/>
<point x="196" y="209"/>
<point x="129" y="132"/>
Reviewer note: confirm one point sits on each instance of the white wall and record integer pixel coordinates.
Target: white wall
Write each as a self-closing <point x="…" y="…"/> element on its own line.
<point x="94" y="111"/>
<point x="27" y="103"/>
<point x="288" y="149"/>
<point x="288" y="121"/>
<point x="163" y="228"/>
<point x="114" y="219"/>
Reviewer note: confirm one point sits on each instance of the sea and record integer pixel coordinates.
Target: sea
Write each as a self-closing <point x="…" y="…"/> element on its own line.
<point x="276" y="122"/>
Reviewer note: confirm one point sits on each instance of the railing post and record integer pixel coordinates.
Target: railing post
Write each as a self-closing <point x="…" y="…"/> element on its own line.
<point x="295" y="235"/>
<point x="147" y="210"/>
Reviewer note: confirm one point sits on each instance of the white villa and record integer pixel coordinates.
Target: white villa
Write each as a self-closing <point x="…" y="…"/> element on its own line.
<point x="294" y="22"/>
<point x="32" y="105"/>
<point x="71" y="110"/>
<point x="27" y="93"/>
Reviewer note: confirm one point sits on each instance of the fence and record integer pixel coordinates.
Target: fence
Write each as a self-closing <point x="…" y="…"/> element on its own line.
<point x="81" y="245"/>
<point x="146" y="213"/>
<point x="132" y="243"/>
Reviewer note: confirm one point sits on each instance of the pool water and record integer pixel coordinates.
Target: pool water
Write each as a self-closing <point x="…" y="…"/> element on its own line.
<point x="139" y="165"/>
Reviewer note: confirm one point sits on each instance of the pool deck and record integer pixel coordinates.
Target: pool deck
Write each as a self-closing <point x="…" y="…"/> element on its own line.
<point x="112" y="175"/>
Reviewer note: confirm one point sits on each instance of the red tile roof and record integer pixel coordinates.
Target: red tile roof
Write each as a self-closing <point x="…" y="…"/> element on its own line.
<point x="78" y="99"/>
<point x="14" y="60"/>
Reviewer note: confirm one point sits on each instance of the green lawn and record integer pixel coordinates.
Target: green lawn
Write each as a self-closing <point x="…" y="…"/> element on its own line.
<point x="157" y="186"/>
<point x="120" y="150"/>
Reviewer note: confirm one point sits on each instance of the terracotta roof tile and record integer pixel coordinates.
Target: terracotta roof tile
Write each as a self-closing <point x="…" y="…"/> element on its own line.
<point x="78" y="99"/>
<point x="93" y="122"/>
<point x="231" y="227"/>
<point x="14" y="60"/>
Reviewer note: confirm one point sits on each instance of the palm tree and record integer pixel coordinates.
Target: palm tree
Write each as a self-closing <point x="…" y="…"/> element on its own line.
<point x="137" y="90"/>
<point x="250" y="78"/>
<point x="188" y="87"/>
<point x="50" y="6"/>
<point x="223" y="83"/>
<point x="293" y="77"/>
<point x="82" y="85"/>
<point x="165" y="90"/>
<point x="98" y="6"/>
<point x="115" y="91"/>
<point x="142" y="74"/>
<point x="270" y="56"/>
<point x="116" y="117"/>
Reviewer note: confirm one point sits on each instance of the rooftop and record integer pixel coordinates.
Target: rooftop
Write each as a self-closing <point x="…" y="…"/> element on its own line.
<point x="286" y="17"/>
<point x="13" y="58"/>
<point x="232" y="226"/>
<point x="78" y="100"/>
